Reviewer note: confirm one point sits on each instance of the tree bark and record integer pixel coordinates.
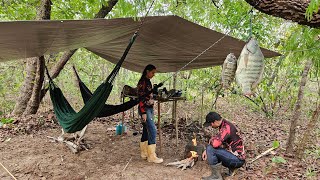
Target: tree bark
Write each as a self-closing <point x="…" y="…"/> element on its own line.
<point x="105" y="9"/>
<point x="308" y="133"/>
<point x="26" y="88"/>
<point x="44" y="12"/>
<point x="297" y="109"/>
<point x="34" y="102"/>
<point x="293" y="10"/>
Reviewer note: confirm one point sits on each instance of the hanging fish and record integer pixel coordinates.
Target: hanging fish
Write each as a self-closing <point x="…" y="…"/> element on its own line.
<point x="250" y="67"/>
<point x="228" y="70"/>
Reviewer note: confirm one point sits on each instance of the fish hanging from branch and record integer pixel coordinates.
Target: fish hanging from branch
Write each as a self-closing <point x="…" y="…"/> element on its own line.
<point x="250" y="68"/>
<point x="229" y="68"/>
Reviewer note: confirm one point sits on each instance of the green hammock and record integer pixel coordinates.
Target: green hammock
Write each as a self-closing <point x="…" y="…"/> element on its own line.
<point x="72" y="121"/>
<point x="108" y="109"/>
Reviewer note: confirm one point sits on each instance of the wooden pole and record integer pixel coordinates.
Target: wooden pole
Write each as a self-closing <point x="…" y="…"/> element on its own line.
<point x="175" y="118"/>
<point x="122" y="129"/>
<point x="202" y="96"/>
<point x="174" y="109"/>
<point x="159" y="126"/>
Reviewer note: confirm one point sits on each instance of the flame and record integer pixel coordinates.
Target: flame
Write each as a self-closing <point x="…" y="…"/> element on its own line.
<point x="194" y="141"/>
<point x="194" y="154"/>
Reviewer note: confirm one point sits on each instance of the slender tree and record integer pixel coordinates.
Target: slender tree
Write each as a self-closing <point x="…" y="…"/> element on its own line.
<point x="308" y="133"/>
<point x="297" y="110"/>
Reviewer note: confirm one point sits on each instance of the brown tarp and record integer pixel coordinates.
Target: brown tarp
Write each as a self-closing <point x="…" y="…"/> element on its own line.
<point x="168" y="42"/>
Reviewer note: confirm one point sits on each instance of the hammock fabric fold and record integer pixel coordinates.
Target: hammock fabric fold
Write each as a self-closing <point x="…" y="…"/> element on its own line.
<point x="72" y="121"/>
<point x="107" y="110"/>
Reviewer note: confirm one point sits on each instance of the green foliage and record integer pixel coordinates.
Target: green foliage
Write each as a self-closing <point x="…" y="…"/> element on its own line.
<point x="10" y="81"/>
<point x="311" y="173"/>
<point x="279" y="160"/>
<point x="276" y="144"/>
<point x="314" y="152"/>
<point x="6" y="120"/>
<point x="18" y="9"/>
<point x="313" y="8"/>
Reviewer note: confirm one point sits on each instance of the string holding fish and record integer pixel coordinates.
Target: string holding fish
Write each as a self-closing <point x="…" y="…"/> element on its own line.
<point x="230" y="64"/>
<point x="250" y="68"/>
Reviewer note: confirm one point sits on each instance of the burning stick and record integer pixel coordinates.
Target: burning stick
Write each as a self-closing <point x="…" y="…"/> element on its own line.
<point x="188" y="162"/>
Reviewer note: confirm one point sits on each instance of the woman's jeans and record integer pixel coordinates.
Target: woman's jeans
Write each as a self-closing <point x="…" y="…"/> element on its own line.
<point x="217" y="155"/>
<point x="149" y="131"/>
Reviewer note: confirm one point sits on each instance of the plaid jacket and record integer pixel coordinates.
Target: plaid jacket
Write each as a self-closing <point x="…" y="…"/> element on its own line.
<point x="229" y="138"/>
<point x="145" y="94"/>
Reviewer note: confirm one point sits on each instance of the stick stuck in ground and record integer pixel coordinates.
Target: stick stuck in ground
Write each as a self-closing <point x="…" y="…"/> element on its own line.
<point x="8" y="171"/>
<point x="127" y="164"/>
<point x="262" y="154"/>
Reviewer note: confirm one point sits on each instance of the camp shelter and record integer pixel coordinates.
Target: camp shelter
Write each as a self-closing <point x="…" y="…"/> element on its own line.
<point x="168" y="42"/>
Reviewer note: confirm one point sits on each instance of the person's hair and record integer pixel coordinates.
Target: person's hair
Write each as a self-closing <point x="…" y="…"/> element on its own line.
<point x="213" y="116"/>
<point x="149" y="67"/>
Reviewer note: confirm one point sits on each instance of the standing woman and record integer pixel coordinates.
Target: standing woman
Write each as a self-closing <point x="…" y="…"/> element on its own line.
<point x="148" y="138"/>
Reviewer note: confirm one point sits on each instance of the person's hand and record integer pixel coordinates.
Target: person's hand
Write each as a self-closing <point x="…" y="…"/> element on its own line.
<point x="144" y="117"/>
<point x="204" y="155"/>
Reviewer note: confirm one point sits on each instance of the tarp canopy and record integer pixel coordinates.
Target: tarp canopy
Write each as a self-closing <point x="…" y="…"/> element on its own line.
<point x="168" y="42"/>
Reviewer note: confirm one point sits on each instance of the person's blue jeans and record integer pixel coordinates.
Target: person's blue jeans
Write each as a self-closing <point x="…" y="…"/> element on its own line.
<point x="217" y="155"/>
<point x="149" y="130"/>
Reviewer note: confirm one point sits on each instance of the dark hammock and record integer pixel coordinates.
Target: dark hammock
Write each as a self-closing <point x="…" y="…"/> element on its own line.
<point x="72" y="121"/>
<point x="107" y="110"/>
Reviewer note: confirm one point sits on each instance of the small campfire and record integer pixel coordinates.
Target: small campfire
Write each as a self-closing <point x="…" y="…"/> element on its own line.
<point x="192" y="153"/>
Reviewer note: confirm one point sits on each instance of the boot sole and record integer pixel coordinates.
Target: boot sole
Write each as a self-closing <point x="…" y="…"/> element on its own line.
<point x="155" y="162"/>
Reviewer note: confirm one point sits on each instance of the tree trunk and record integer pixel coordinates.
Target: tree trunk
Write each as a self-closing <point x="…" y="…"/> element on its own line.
<point x="26" y="88"/>
<point x="308" y="133"/>
<point x="44" y="12"/>
<point x="294" y="10"/>
<point x="34" y="102"/>
<point x="297" y="110"/>
<point x="105" y="9"/>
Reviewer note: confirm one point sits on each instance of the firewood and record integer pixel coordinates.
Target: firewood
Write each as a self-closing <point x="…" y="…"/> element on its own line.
<point x="183" y="164"/>
<point x="74" y="143"/>
<point x="262" y="154"/>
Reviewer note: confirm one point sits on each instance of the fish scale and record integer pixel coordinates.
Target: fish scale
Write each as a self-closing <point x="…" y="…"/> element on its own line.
<point x="250" y="67"/>
<point x="228" y="70"/>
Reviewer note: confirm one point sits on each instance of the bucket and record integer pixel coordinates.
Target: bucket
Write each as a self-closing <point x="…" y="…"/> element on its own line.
<point x="119" y="129"/>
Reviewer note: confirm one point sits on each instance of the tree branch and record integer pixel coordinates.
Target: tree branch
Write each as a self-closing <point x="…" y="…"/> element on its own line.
<point x="104" y="10"/>
<point x="293" y="10"/>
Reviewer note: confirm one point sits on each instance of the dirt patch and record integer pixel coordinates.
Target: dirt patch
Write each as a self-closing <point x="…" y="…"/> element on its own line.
<point x="29" y="154"/>
<point x="35" y="157"/>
